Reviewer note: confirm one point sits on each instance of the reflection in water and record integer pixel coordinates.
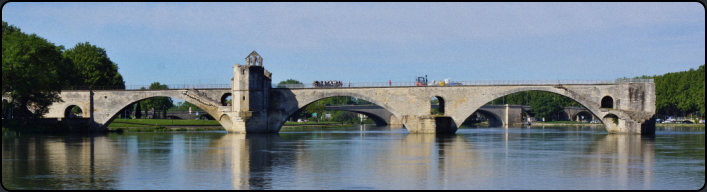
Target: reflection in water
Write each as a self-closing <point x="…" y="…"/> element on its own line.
<point x="360" y="157"/>
<point x="52" y="162"/>
<point x="631" y="158"/>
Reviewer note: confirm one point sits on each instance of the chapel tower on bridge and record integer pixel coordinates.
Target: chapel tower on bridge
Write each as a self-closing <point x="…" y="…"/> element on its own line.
<point x="250" y="93"/>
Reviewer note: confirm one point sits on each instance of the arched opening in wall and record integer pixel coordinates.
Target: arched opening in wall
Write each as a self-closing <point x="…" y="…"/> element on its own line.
<point x="339" y="110"/>
<point x="611" y="121"/>
<point x="73" y="111"/>
<point x="584" y="116"/>
<point x="226" y="99"/>
<point x="437" y="105"/>
<point x="225" y="121"/>
<point x="607" y="102"/>
<point x="481" y="119"/>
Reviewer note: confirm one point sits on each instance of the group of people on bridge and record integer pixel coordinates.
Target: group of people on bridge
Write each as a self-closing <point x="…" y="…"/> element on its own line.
<point x="328" y="84"/>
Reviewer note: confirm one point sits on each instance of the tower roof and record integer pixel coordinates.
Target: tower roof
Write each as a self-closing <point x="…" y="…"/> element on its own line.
<point x="254" y="59"/>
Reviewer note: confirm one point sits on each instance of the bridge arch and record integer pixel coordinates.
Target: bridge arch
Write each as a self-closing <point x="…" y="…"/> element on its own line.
<point x="587" y="116"/>
<point x="209" y="106"/>
<point x="311" y="99"/>
<point x="282" y="105"/>
<point x="68" y="112"/>
<point x="377" y="119"/>
<point x="440" y="100"/>
<point x="494" y="120"/>
<point x="591" y="106"/>
<point x="224" y="99"/>
<point x="611" y="121"/>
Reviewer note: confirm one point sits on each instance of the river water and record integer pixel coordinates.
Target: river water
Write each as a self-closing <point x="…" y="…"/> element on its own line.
<point x="360" y="157"/>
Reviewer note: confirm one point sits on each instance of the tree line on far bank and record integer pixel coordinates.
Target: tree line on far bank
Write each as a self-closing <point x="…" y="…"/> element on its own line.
<point x="34" y="70"/>
<point x="679" y="94"/>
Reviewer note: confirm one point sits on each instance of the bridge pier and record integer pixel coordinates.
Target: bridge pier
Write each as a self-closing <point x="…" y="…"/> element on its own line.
<point x="431" y="124"/>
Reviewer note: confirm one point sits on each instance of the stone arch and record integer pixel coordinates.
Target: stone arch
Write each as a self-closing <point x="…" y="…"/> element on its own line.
<point x="225" y="121"/>
<point x="68" y="111"/>
<point x="307" y="100"/>
<point x="224" y="98"/>
<point x="377" y="119"/>
<point x="611" y="121"/>
<point x="494" y="119"/>
<point x="591" y="106"/>
<point x="564" y="116"/>
<point x="607" y="102"/>
<point x="142" y="95"/>
<point x="587" y="115"/>
<point x="441" y="103"/>
<point x="285" y="102"/>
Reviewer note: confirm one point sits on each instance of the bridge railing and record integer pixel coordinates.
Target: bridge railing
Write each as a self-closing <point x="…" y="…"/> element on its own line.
<point x="369" y="84"/>
<point x="140" y="87"/>
<point x="461" y="83"/>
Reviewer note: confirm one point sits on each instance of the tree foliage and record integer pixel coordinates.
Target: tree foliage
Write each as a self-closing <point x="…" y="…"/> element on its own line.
<point x="546" y="107"/>
<point x="157" y="103"/>
<point x="138" y="110"/>
<point x="681" y="93"/>
<point x="288" y="82"/>
<point x="92" y="67"/>
<point x="34" y="70"/>
<point x="30" y="71"/>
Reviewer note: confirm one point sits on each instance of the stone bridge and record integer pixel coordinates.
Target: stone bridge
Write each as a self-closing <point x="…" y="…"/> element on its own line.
<point x="259" y="108"/>
<point x="507" y="114"/>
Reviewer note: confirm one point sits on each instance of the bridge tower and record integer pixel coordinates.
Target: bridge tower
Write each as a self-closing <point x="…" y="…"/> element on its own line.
<point x="250" y="93"/>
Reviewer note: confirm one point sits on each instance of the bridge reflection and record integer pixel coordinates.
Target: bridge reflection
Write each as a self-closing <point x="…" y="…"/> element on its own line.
<point x="482" y="159"/>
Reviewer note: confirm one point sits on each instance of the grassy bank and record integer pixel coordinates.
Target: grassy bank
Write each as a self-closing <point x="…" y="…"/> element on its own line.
<point x="311" y="123"/>
<point x="562" y="123"/>
<point x="161" y="122"/>
<point x="164" y="129"/>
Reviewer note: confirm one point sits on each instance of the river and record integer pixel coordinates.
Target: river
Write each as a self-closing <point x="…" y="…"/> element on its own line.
<point x="360" y="157"/>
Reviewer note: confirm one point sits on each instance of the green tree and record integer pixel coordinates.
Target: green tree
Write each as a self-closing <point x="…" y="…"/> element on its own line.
<point x="546" y="107"/>
<point x="158" y="103"/>
<point x="289" y="82"/>
<point x="92" y="67"/>
<point x="138" y="111"/>
<point x="30" y="68"/>
<point x="680" y="93"/>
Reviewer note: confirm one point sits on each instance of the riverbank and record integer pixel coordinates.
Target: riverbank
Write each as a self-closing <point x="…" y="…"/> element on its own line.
<point x="566" y="123"/>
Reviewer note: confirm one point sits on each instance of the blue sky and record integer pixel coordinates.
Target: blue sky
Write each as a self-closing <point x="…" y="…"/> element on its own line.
<point x="175" y="43"/>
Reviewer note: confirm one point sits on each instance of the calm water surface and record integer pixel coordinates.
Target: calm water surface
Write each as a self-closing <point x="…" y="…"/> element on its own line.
<point x="360" y="158"/>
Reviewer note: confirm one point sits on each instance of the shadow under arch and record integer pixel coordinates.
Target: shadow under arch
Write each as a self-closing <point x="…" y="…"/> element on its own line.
<point x="494" y="120"/>
<point x="377" y="119"/>
<point x="594" y="110"/>
<point x="587" y="116"/>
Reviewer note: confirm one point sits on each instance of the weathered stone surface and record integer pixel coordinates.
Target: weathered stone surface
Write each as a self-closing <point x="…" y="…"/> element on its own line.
<point x="103" y="106"/>
<point x="259" y="109"/>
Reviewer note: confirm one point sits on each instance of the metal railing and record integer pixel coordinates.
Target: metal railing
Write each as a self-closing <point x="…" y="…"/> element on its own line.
<point x="370" y="84"/>
<point x="634" y="81"/>
<point x="463" y="83"/>
<point x="139" y="87"/>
